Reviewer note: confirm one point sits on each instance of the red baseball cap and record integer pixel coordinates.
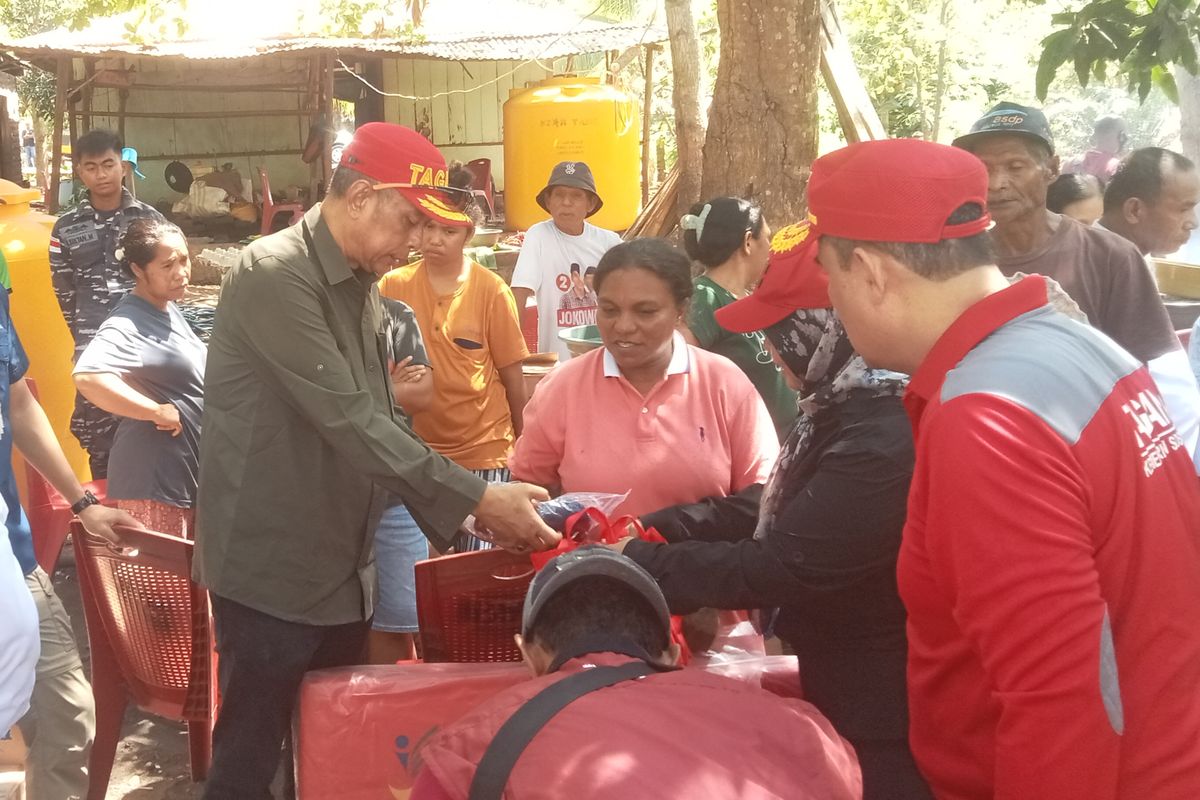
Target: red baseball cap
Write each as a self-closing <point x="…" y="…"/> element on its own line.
<point x="402" y="159"/>
<point x="793" y="280"/>
<point x="896" y="190"/>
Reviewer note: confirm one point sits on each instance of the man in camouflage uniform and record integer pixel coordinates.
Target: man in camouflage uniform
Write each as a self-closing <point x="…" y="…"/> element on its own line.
<point x="87" y="275"/>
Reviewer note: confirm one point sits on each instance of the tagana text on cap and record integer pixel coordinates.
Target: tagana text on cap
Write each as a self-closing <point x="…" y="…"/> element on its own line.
<point x="896" y="190"/>
<point x="793" y="280"/>
<point x="401" y="158"/>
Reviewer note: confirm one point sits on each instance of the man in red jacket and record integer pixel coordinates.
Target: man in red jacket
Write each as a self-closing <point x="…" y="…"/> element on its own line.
<point x="1050" y="563"/>
<point x="646" y="728"/>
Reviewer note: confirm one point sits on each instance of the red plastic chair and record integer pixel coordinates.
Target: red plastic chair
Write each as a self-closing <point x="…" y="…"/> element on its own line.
<point x="150" y="631"/>
<point x="271" y="209"/>
<point x="50" y="516"/>
<point x="469" y="605"/>
<point x="49" y="513"/>
<point x="483" y="187"/>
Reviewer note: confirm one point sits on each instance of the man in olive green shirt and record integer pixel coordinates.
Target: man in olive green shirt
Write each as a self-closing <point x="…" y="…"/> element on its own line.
<point x="300" y="445"/>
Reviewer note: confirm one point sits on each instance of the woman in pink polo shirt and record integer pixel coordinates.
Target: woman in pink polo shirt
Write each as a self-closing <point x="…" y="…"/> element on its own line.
<point x="647" y="413"/>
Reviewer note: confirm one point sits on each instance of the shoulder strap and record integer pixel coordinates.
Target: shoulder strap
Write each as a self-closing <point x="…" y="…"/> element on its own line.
<point x="491" y="776"/>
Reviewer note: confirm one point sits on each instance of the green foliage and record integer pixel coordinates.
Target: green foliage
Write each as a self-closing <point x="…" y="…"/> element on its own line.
<point x="1139" y="39"/>
<point x="375" y="18"/>
<point x="151" y="15"/>
<point x="35" y="88"/>
<point x="1154" y="123"/>
<point x="931" y="66"/>
<point x="993" y="50"/>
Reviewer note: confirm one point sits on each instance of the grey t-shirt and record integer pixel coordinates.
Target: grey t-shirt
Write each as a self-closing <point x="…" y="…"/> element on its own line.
<point x="157" y="353"/>
<point x="402" y="332"/>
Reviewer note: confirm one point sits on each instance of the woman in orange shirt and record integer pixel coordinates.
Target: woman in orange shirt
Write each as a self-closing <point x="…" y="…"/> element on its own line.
<point x="472" y="333"/>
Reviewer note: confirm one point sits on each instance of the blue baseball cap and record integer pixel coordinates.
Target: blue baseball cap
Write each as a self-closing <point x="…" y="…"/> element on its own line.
<point x="130" y="155"/>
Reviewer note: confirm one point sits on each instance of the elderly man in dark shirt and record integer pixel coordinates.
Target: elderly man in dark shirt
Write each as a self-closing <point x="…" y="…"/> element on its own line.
<point x="1103" y="273"/>
<point x="301" y="444"/>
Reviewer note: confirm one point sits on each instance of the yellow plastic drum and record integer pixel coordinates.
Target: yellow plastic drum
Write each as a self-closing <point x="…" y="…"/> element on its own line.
<point x="572" y="119"/>
<point x="25" y="237"/>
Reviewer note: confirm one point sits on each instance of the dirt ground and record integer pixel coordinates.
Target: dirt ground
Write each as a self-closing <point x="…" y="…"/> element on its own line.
<point x="152" y="757"/>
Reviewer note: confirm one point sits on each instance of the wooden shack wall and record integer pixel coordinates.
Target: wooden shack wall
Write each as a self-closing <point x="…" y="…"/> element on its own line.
<point x="184" y="129"/>
<point x="461" y="102"/>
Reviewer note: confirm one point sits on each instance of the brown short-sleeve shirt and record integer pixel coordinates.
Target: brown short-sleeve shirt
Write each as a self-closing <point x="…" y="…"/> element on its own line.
<point x="1107" y="276"/>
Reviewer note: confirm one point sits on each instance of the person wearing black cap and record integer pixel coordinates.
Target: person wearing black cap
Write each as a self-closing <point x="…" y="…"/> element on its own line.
<point x="556" y="251"/>
<point x="820" y="540"/>
<point x="610" y="715"/>
<point x="1102" y="272"/>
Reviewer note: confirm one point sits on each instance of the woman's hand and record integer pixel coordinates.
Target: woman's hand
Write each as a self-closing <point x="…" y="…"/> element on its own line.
<point x="407" y="372"/>
<point x="619" y="545"/>
<point x="166" y="418"/>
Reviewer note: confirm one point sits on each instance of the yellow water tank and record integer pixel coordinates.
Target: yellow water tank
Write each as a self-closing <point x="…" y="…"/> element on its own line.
<point x="572" y="119"/>
<point x="25" y="239"/>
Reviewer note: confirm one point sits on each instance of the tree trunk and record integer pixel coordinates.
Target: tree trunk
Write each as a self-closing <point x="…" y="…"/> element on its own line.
<point x="762" y="127"/>
<point x="689" y="125"/>
<point x="940" y="89"/>
<point x="1189" y="112"/>
<point x="41" y="150"/>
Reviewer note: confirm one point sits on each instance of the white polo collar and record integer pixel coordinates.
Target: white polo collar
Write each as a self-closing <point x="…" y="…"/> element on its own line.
<point x="681" y="359"/>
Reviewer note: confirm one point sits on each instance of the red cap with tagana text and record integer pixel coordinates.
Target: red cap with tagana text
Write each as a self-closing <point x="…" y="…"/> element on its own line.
<point x="402" y="159"/>
<point x="896" y="190"/>
<point x="793" y="280"/>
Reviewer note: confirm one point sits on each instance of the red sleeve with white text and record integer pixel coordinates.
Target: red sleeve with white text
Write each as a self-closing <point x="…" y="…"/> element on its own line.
<point x="1010" y="546"/>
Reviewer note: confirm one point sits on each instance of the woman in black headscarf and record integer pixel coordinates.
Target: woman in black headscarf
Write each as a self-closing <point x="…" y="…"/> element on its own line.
<point x="819" y="541"/>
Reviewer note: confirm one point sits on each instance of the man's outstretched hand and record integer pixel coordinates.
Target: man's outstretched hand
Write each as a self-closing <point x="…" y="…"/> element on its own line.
<point x="506" y="510"/>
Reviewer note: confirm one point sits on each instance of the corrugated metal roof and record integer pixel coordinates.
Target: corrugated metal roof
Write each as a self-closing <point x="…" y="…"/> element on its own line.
<point x="456" y="30"/>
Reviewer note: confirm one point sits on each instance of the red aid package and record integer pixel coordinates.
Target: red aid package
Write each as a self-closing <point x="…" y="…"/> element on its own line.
<point x="359" y="730"/>
<point x="591" y="526"/>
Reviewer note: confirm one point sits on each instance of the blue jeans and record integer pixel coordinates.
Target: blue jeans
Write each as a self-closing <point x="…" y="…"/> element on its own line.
<point x="399" y="544"/>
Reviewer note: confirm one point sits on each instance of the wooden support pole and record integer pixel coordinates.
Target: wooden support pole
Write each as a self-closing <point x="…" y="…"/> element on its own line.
<point x="647" y="105"/>
<point x="72" y="125"/>
<point x="89" y="74"/>
<point x="860" y="122"/>
<point x="326" y="119"/>
<point x="292" y="151"/>
<point x="317" y="84"/>
<point x="62" y="79"/>
<point x="288" y="88"/>
<point x="122" y="104"/>
<point x="262" y="112"/>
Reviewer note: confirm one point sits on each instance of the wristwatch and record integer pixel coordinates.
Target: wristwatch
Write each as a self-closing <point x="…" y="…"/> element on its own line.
<point x="88" y="499"/>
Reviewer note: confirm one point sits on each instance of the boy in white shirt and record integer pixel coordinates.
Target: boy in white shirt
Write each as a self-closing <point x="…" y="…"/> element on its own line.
<point x="558" y="251"/>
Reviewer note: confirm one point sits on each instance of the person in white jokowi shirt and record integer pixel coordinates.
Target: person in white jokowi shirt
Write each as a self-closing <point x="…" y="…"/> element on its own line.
<point x="19" y="644"/>
<point x="558" y="254"/>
